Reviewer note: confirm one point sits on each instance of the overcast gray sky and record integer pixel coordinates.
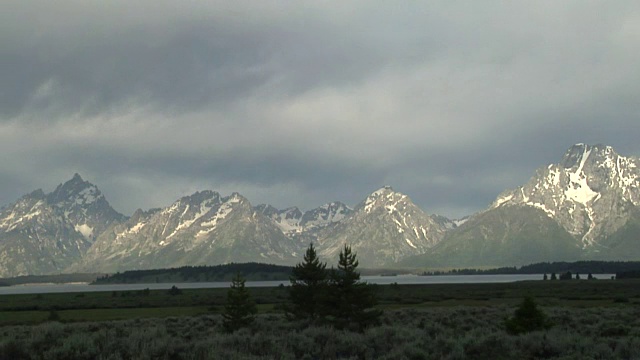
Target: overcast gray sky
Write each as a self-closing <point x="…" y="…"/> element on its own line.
<point x="302" y="103"/>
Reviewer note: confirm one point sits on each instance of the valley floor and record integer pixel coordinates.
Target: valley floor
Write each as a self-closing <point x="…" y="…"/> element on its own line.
<point x="592" y="320"/>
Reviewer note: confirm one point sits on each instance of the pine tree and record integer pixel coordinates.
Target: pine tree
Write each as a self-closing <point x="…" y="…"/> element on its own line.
<point x="308" y="287"/>
<point x="566" y="276"/>
<point x="350" y="302"/>
<point x="527" y="318"/>
<point x="240" y="309"/>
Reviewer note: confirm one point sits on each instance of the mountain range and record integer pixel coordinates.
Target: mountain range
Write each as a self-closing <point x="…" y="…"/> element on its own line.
<point x="584" y="207"/>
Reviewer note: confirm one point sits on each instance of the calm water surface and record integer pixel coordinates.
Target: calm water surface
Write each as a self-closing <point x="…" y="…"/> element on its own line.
<point x="400" y="279"/>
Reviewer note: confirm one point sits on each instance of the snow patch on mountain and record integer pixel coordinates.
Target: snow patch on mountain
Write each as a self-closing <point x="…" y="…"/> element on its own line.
<point x="375" y="196"/>
<point x="295" y="224"/>
<point x="503" y="200"/>
<point x="542" y="207"/>
<point x="579" y="190"/>
<point x="223" y="211"/>
<point x="130" y="231"/>
<point x="85" y="230"/>
<point x="204" y="209"/>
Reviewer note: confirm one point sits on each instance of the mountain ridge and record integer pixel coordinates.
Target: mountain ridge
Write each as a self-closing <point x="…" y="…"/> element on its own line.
<point x="592" y="194"/>
<point x="583" y="207"/>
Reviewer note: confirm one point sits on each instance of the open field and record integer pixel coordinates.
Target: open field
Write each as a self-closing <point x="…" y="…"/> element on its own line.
<point x="21" y="309"/>
<point x="592" y="320"/>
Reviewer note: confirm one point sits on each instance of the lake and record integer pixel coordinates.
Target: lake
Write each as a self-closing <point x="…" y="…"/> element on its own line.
<point x="382" y="280"/>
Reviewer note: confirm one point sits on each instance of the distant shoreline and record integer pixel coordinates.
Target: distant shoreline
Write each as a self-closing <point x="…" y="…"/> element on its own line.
<point x="56" y="279"/>
<point x="268" y="272"/>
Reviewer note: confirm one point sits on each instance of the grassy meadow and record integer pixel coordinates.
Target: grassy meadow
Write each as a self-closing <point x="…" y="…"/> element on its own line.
<point x="592" y="320"/>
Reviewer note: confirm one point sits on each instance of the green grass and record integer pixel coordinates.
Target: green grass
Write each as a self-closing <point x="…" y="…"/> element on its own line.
<point x="22" y="317"/>
<point x="121" y="314"/>
<point x="33" y="317"/>
<point x="16" y="309"/>
<point x="597" y="319"/>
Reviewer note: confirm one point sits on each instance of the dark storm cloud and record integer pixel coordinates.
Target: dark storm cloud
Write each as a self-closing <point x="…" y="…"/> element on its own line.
<point x="189" y="70"/>
<point x="184" y="63"/>
<point x="305" y="103"/>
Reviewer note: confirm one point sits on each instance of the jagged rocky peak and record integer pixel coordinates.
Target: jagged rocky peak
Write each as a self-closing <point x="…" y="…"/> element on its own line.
<point x="292" y="213"/>
<point x="384" y="228"/>
<point x="84" y="206"/>
<point x="236" y="198"/>
<point x="207" y="196"/>
<point x="24" y="211"/>
<point x="295" y="223"/>
<point x="581" y="153"/>
<point x="191" y="207"/>
<point x="28" y="200"/>
<point x="328" y="213"/>
<point x="188" y="203"/>
<point x="582" y="175"/>
<point x="36" y="194"/>
<point x="266" y="210"/>
<point x="385" y="197"/>
<point x="601" y="167"/>
<point x="448" y="223"/>
<point x="77" y="191"/>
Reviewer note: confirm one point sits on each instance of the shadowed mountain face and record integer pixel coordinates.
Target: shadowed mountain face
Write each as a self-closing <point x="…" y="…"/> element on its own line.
<point x="506" y="236"/>
<point x="584" y="207"/>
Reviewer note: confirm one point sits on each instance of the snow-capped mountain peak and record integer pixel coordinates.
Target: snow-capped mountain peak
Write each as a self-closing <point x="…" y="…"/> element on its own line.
<point x="23" y="211"/>
<point x="385" y="227"/>
<point x="580" y="191"/>
<point x="202" y="228"/>
<point x="84" y="205"/>
<point x="75" y="191"/>
<point x="385" y="196"/>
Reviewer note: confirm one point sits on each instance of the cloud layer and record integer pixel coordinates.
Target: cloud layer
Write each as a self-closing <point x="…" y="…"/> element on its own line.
<point x="301" y="104"/>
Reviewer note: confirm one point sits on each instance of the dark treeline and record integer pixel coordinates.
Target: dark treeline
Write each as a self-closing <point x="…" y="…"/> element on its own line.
<point x="579" y="267"/>
<point x="55" y="279"/>
<point x="250" y="271"/>
<point x="631" y="274"/>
